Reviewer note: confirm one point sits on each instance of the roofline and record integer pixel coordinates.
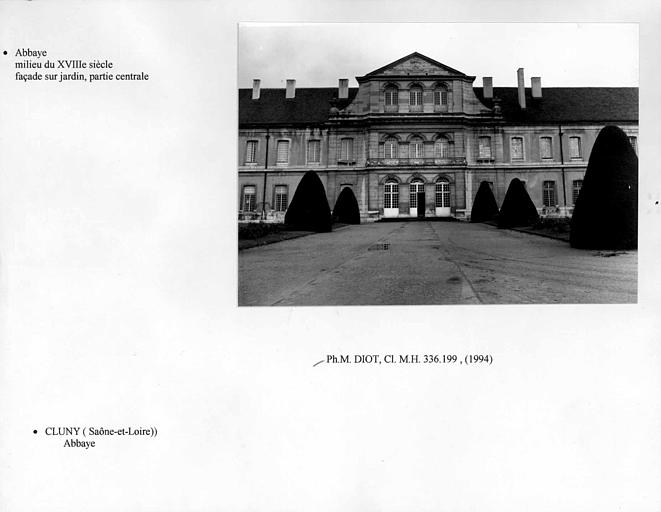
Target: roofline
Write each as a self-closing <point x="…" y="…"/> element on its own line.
<point x="414" y="54"/>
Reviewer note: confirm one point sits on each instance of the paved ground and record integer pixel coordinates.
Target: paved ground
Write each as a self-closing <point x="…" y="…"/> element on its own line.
<point x="431" y="263"/>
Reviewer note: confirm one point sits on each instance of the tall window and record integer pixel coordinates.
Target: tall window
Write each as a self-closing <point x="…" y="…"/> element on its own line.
<point x="390" y="148"/>
<point x="416" y="186"/>
<point x="576" y="189"/>
<point x="575" y="147"/>
<point x="346" y="149"/>
<point x="314" y="151"/>
<point x="280" y="198"/>
<point x="391" y="97"/>
<point x="442" y="194"/>
<point x="391" y="196"/>
<point x="546" y="147"/>
<point x="441" y="96"/>
<point x="442" y="148"/>
<point x="548" y="191"/>
<point x="251" y="151"/>
<point x="415" y="96"/>
<point x="484" y="147"/>
<point x="516" y="148"/>
<point x="634" y="143"/>
<point x="283" y="152"/>
<point x="416" y="148"/>
<point x="249" y="194"/>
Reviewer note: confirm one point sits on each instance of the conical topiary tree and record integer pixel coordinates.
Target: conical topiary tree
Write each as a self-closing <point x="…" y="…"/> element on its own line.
<point x="346" y="208"/>
<point x="309" y="210"/>
<point x="484" y="206"/>
<point x="517" y="208"/>
<point x="606" y="211"/>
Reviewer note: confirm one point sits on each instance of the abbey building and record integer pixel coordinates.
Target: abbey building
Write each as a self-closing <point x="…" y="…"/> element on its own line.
<point x="416" y="139"/>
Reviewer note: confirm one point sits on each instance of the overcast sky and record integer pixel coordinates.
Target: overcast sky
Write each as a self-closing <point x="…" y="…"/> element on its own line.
<point x="563" y="54"/>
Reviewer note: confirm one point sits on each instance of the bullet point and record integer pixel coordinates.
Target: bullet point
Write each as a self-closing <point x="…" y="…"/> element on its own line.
<point x="34" y="431"/>
<point x="5" y="52"/>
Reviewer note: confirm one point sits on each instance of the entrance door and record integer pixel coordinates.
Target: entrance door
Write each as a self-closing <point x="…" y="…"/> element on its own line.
<point x="416" y="188"/>
<point x="442" y="198"/>
<point x="421" y="204"/>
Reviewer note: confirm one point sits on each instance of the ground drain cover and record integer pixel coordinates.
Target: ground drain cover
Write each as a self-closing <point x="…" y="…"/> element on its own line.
<point x="379" y="247"/>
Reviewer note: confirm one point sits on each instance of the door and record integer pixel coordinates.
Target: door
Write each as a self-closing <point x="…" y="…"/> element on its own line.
<point x="421" y="204"/>
<point x="442" y="198"/>
<point x="416" y="188"/>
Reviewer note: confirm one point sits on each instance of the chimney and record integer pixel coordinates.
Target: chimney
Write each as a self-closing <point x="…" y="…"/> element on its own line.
<point x="343" y="89"/>
<point x="291" y="88"/>
<point x="255" y="89"/>
<point x="536" y="83"/>
<point x="522" y="88"/>
<point x="487" y="87"/>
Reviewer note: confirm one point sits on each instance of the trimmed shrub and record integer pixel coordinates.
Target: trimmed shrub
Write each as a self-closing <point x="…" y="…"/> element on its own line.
<point x="606" y="211"/>
<point x="309" y="210"/>
<point x="517" y="209"/>
<point x="484" y="206"/>
<point x="346" y="208"/>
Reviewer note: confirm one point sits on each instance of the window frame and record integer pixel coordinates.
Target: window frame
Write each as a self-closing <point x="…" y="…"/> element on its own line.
<point x="541" y="146"/>
<point x="444" y="195"/>
<point x="579" y="147"/>
<point x="575" y="191"/>
<point x="417" y="142"/>
<point x="481" y="138"/>
<point x="393" y="144"/>
<point x="277" y="151"/>
<point x="392" y="91"/>
<point x="391" y="194"/>
<point x="277" y="198"/>
<point x="251" y="159"/>
<point x="349" y="157"/>
<point x="416" y="185"/>
<point x="414" y="91"/>
<point x="523" y="148"/>
<point x="549" y="186"/>
<point x="310" y="144"/>
<point x="243" y="198"/>
<point x="633" y="140"/>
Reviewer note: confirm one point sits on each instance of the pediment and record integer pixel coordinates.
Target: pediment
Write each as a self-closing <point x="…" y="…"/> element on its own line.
<point x="415" y="64"/>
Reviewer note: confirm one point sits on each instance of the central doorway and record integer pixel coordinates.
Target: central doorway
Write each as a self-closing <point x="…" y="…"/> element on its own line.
<point x="417" y="198"/>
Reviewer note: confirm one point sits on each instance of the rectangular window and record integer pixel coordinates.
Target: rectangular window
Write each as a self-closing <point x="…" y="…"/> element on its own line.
<point x="634" y="143"/>
<point x="346" y="150"/>
<point x="251" y="151"/>
<point x="546" y="148"/>
<point x="415" y="96"/>
<point x="575" y="147"/>
<point x="548" y="198"/>
<point x="280" y="198"/>
<point x="576" y="189"/>
<point x="484" y="148"/>
<point x="516" y="148"/>
<point x="314" y="151"/>
<point x="283" y="152"/>
<point x="391" y="96"/>
<point x="249" y="194"/>
<point x="441" y="98"/>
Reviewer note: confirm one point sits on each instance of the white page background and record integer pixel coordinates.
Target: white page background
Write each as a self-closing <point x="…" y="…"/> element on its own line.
<point x="118" y="275"/>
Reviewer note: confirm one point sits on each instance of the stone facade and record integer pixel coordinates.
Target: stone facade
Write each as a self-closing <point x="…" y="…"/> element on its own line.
<point x="416" y="138"/>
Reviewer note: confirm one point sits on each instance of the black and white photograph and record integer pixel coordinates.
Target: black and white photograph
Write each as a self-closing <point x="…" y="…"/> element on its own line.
<point x="330" y="256"/>
<point x="495" y="164"/>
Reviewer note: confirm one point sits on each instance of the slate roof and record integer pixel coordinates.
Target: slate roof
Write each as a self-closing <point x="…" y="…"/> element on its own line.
<point x="567" y="104"/>
<point x="311" y="106"/>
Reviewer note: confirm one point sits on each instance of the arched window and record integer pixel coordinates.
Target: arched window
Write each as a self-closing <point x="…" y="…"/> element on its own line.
<point x="391" y="98"/>
<point x="416" y="148"/>
<point x="442" y="148"/>
<point x="441" y="96"/>
<point x="416" y="186"/>
<point x="415" y="97"/>
<point x="442" y="193"/>
<point x="391" y="195"/>
<point x="390" y="148"/>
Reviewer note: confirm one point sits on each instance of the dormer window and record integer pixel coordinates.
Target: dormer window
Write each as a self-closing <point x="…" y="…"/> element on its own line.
<point x="441" y="96"/>
<point x="415" y="97"/>
<point x="391" y="98"/>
